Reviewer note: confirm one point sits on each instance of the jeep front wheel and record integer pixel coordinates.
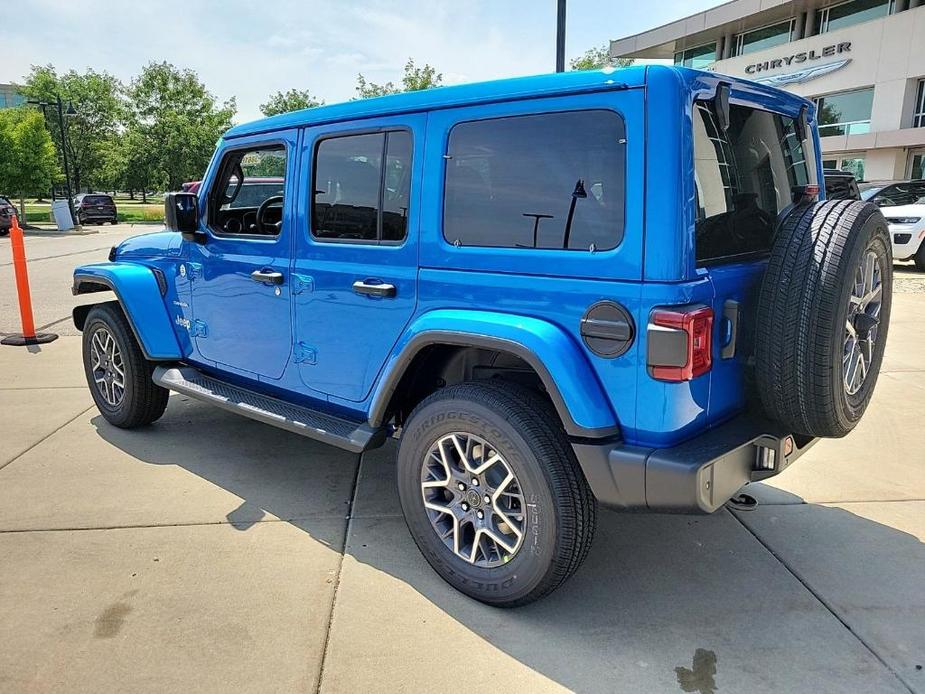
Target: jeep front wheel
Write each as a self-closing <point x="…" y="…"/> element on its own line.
<point x="117" y="372"/>
<point x="492" y="493"/>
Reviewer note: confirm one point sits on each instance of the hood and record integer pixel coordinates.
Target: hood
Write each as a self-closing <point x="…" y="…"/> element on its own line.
<point x="159" y="243"/>
<point x="903" y="211"/>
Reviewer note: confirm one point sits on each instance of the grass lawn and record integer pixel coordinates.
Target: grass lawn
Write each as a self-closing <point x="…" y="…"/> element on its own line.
<point x="131" y="211"/>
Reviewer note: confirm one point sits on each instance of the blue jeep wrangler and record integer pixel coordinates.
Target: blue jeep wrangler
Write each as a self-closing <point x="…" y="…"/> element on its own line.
<point x="616" y="286"/>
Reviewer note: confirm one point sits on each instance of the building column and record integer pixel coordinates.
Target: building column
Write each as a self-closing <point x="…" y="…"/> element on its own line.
<point x="728" y="46"/>
<point x="799" y="25"/>
<point x="810" y="23"/>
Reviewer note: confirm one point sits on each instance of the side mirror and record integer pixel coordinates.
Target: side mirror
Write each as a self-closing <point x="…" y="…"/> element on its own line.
<point x="181" y="213"/>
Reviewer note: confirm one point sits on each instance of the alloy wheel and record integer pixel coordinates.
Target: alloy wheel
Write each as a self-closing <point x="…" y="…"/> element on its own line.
<point x="863" y="323"/>
<point x="473" y="500"/>
<point x="107" y="367"/>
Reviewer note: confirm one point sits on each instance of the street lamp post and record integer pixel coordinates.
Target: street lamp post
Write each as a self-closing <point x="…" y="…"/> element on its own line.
<point x="71" y="111"/>
<point x="67" y="172"/>
<point x="560" y="36"/>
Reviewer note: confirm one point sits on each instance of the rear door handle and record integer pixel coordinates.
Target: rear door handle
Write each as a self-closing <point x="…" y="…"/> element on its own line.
<point x="374" y="288"/>
<point x="267" y="276"/>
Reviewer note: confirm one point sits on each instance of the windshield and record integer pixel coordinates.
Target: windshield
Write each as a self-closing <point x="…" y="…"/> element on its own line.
<point x="906" y="193"/>
<point x="97" y="200"/>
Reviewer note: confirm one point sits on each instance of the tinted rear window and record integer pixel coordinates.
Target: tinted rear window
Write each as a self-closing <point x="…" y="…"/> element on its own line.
<point x="552" y="181"/>
<point x="97" y="200"/>
<point x="744" y="178"/>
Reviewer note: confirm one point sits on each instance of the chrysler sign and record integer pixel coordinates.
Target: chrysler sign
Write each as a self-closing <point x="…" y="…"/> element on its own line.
<point x="797" y="58"/>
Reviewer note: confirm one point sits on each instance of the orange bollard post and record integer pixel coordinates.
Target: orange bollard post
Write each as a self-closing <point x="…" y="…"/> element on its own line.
<point x="28" y="335"/>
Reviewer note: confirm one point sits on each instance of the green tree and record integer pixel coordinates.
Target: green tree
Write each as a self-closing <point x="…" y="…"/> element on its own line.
<point x="597" y="58"/>
<point x="413" y="79"/>
<point x="175" y="122"/>
<point x="96" y="96"/>
<point x="293" y="100"/>
<point x="28" y="163"/>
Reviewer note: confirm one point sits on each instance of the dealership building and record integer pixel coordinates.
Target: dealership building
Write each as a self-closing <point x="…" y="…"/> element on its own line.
<point x="862" y="62"/>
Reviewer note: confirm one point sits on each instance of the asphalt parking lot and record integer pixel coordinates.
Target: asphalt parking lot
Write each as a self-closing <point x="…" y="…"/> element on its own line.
<point x="209" y="553"/>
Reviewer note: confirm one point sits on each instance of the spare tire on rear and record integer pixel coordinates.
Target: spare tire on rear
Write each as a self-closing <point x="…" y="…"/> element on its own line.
<point x="823" y="315"/>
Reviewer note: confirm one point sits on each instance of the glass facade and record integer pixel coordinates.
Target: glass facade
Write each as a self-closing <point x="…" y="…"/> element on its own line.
<point x="845" y="113"/>
<point x="917" y="165"/>
<point x="850" y="13"/>
<point x="918" y="116"/>
<point x="765" y="37"/>
<point x="699" y="58"/>
<point x="9" y="97"/>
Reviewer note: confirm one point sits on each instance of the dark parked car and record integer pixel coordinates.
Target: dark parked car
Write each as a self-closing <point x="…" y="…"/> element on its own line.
<point x="94" y="208"/>
<point x="841" y="185"/>
<point x="7" y="212"/>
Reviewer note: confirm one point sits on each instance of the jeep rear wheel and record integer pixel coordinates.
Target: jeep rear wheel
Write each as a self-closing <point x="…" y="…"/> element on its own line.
<point x="492" y="493"/>
<point x="117" y="372"/>
<point x="823" y="316"/>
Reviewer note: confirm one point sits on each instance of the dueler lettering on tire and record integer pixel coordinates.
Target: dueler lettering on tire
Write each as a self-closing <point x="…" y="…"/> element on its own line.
<point x="823" y="316"/>
<point x="492" y="493"/>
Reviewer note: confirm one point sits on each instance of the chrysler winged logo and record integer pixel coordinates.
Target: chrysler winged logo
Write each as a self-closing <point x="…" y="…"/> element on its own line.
<point x="802" y="75"/>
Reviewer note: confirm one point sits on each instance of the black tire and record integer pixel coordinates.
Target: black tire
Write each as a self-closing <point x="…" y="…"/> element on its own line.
<point x="143" y="401"/>
<point x="559" y="517"/>
<point x="803" y="315"/>
<point x="919" y="258"/>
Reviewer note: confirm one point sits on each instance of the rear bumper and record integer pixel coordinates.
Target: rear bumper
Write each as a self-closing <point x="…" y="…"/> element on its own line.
<point x="697" y="476"/>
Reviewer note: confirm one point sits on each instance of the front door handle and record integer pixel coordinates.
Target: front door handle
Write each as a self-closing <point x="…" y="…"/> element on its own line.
<point x="374" y="288"/>
<point x="267" y="276"/>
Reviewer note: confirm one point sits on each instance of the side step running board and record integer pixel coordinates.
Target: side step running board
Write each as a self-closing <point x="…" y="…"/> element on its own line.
<point x="352" y="436"/>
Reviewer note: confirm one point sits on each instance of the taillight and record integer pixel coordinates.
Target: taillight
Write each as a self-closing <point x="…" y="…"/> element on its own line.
<point x="680" y="343"/>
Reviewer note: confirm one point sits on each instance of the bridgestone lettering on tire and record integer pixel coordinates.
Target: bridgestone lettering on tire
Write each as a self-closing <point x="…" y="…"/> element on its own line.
<point x="515" y="521"/>
<point x="823" y="316"/>
<point x="117" y="372"/>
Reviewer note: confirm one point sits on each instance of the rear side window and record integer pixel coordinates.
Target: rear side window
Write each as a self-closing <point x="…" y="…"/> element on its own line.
<point x="744" y="178"/>
<point x="362" y="185"/>
<point x="550" y="181"/>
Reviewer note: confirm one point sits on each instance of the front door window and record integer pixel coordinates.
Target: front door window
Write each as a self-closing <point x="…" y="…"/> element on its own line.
<point x="247" y="198"/>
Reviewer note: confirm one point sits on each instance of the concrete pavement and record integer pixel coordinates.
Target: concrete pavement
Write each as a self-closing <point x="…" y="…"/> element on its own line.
<point x="209" y="553"/>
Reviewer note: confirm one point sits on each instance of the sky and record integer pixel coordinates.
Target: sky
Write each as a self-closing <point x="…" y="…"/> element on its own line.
<point x="251" y="49"/>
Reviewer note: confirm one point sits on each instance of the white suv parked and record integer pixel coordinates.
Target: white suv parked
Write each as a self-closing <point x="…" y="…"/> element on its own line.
<point x="903" y="205"/>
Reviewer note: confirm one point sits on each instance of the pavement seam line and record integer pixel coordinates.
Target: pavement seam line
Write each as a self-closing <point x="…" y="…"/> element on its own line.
<point x="62" y="255"/>
<point x="837" y="502"/>
<point x="340" y="568"/>
<point x="822" y="601"/>
<point x="143" y="526"/>
<point x="46" y="437"/>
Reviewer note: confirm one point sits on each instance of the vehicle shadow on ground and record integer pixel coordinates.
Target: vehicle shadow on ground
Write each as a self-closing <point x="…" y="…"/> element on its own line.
<point x="682" y="603"/>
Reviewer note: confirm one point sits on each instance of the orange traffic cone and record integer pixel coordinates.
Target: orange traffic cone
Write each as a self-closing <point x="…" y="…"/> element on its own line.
<point x="28" y="335"/>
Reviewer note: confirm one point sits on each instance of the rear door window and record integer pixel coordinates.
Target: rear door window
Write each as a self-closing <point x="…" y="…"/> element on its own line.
<point x="745" y="177"/>
<point x="362" y="184"/>
<point x="551" y="181"/>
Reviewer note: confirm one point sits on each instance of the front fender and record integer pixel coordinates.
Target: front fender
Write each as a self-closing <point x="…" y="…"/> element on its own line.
<point x="142" y="299"/>
<point x="575" y="390"/>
